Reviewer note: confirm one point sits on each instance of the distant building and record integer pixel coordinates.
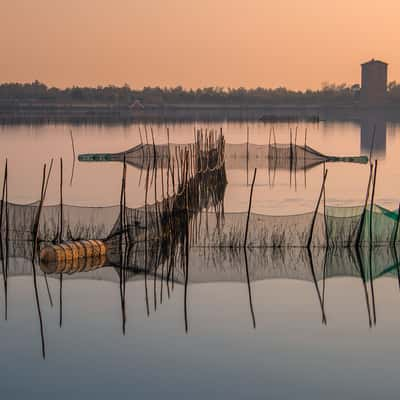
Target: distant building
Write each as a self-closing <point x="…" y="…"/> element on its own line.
<point x="136" y="105"/>
<point x="373" y="83"/>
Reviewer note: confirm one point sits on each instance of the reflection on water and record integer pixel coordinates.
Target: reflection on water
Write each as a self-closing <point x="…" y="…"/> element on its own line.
<point x="373" y="134"/>
<point x="317" y="266"/>
<point x="38" y="144"/>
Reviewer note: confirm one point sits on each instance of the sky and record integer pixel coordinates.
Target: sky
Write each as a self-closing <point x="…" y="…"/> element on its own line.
<point x="298" y="44"/>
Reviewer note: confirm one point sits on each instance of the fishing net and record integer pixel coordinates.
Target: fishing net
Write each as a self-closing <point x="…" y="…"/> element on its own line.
<point x="237" y="156"/>
<point x="193" y="215"/>
<point x="343" y="224"/>
<point x="209" y="225"/>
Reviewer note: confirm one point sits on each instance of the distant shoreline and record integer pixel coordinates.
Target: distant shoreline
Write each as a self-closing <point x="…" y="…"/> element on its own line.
<point x="37" y="103"/>
<point x="37" y="113"/>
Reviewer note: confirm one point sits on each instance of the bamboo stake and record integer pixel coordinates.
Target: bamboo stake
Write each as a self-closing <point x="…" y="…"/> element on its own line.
<point x="3" y="261"/>
<point x="362" y="218"/>
<point x="154" y="170"/>
<point x="396" y="257"/>
<point x="35" y="248"/>
<point x="371" y="243"/>
<point x="145" y="242"/>
<point x="396" y="226"/>
<point x="249" y="209"/>
<point x="60" y="237"/>
<point x="3" y="195"/>
<point x="372" y="203"/>
<point x="141" y="144"/>
<point x="186" y="241"/>
<point x="316" y="210"/>
<point x="290" y="157"/>
<point x="73" y="157"/>
<point x="45" y="182"/>
<point x="123" y="249"/>
<point x="295" y="160"/>
<point x="304" y="161"/>
<point x="247" y="156"/>
<point x="325" y="219"/>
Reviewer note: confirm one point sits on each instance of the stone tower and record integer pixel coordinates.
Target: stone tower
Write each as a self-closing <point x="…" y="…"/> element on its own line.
<point x="373" y="83"/>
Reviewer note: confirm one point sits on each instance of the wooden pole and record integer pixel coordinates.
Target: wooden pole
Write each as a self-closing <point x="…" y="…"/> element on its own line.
<point x="362" y="218"/>
<point x="269" y="141"/>
<point x="7" y="249"/>
<point x="372" y="204"/>
<point x="304" y="161"/>
<point x="73" y="158"/>
<point x="73" y="144"/>
<point x="247" y="156"/>
<point x="325" y="219"/>
<point x="60" y="237"/>
<point x="316" y="210"/>
<point x="3" y="260"/>
<point x="396" y="227"/>
<point x="3" y="194"/>
<point x="371" y="279"/>
<point x="154" y="169"/>
<point x="45" y="182"/>
<point x="249" y="209"/>
<point x="141" y="144"/>
<point x="186" y="243"/>
<point x="145" y="242"/>
<point x="155" y="199"/>
<point x="290" y="157"/>
<point x="396" y="258"/>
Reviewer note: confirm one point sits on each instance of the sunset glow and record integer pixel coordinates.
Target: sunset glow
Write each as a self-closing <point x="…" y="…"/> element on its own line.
<point x="229" y="43"/>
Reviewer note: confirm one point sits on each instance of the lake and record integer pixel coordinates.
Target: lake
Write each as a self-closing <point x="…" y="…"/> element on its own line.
<point x="264" y="324"/>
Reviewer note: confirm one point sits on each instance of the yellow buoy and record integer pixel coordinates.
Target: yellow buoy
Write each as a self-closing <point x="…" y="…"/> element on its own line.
<point x="70" y="251"/>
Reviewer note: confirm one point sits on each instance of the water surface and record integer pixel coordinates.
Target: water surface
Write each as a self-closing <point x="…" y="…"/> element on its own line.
<point x="290" y="353"/>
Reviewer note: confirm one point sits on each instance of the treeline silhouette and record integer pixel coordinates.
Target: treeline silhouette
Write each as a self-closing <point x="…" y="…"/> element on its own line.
<point x="329" y="94"/>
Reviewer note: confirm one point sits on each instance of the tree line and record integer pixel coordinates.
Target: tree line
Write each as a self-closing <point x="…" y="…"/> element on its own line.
<point x="329" y="94"/>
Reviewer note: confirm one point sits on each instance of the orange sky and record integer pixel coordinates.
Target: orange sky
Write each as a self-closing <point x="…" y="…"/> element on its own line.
<point x="294" y="43"/>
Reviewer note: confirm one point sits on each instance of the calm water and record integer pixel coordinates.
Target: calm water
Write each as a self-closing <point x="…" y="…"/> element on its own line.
<point x="28" y="148"/>
<point x="290" y="354"/>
